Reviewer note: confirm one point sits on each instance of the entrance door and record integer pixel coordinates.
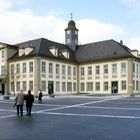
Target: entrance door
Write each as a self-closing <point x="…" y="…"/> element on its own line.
<point x="2" y="88"/>
<point x="114" y="87"/>
<point x="50" y="87"/>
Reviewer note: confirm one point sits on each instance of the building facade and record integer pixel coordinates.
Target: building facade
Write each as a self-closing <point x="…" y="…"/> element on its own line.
<point x="105" y="67"/>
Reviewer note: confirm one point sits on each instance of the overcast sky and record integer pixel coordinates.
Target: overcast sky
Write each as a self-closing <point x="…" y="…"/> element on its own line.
<point x="97" y="20"/>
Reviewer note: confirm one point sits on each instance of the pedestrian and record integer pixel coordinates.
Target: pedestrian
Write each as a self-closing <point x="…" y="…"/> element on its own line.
<point x="19" y="102"/>
<point x="40" y="97"/>
<point x="29" y="102"/>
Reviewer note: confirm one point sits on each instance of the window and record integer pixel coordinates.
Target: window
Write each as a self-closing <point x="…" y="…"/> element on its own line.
<point x="57" y="87"/>
<point x="69" y="86"/>
<point x="3" y="72"/>
<point x="133" y="67"/>
<point x="137" y="85"/>
<point x="123" y="85"/>
<point x="68" y="32"/>
<point x="74" y="71"/>
<point x="43" y="85"/>
<point x="114" y="68"/>
<point x="89" y="86"/>
<point x="74" y="87"/>
<point x="76" y="32"/>
<point x="50" y="68"/>
<point x="43" y="67"/>
<point x="133" y="85"/>
<point x="57" y="69"/>
<point x="82" y="72"/>
<point x="123" y="67"/>
<point x="82" y="85"/>
<point x="89" y="70"/>
<point x="12" y="86"/>
<point x="30" y="66"/>
<point x="18" y="86"/>
<point x="97" y="86"/>
<point x="63" y="86"/>
<point x="97" y="69"/>
<point x="24" y="85"/>
<point x="54" y="50"/>
<point x="12" y="69"/>
<point x="137" y="69"/>
<point x="24" y="68"/>
<point x="66" y="54"/>
<point x="63" y="70"/>
<point x="18" y="68"/>
<point x="68" y="40"/>
<point x="105" y="69"/>
<point x="76" y="41"/>
<point x="30" y="85"/>
<point x="69" y="70"/>
<point x="105" y="86"/>
<point x="2" y="54"/>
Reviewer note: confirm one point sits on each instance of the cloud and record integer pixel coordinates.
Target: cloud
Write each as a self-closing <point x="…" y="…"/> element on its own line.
<point x="23" y="25"/>
<point x="132" y="3"/>
<point x="134" y="43"/>
<point x="92" y="30"/>
<point x="5" y="4"/>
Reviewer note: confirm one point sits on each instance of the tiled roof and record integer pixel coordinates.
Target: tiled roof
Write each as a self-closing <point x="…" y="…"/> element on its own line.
<point x="108" y="49"/>
<point x="41" y="47"/>
<point x="102" y="50"/>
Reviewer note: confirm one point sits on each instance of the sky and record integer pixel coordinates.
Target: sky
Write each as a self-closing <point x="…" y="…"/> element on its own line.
<point x="97" y="20"/>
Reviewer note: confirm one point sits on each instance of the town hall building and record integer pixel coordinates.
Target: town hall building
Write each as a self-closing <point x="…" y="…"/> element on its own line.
<point x="105" y="67"/>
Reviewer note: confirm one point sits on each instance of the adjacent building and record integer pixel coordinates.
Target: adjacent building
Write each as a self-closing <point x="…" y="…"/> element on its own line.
<point x="105" y="67"/>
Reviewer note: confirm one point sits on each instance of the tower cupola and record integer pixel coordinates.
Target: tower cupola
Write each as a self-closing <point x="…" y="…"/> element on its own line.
<point x="71" y="35"/>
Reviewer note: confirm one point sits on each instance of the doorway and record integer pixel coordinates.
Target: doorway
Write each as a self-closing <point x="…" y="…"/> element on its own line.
<point x="114" y="87"/>
<point x="2" y="88"/>
<point x="50" y="88"/>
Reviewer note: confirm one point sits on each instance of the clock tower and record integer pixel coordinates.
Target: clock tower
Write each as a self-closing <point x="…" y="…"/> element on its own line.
<point x="71" y="35"/>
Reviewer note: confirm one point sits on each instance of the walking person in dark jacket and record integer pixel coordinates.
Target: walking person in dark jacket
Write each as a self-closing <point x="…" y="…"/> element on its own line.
<point x="29" y="102"/>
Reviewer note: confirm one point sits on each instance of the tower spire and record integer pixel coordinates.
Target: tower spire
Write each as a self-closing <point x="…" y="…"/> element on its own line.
<point x="71" y="34"/>
<point x="71" y="16"/>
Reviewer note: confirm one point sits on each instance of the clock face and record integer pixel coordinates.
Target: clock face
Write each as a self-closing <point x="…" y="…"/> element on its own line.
<point x="68" y="32"/>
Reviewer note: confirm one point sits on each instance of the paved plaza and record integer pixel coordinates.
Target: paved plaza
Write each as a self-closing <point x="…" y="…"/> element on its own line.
<point x="73" y="118"/>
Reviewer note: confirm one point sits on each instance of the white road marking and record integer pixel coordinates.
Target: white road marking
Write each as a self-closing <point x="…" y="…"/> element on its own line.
<point x="113" y="108"/>
<point x="92" y="115"/>
<point x="76" y="105"/>
<point x="5" y="110"/>
<point x="8" y="116"/>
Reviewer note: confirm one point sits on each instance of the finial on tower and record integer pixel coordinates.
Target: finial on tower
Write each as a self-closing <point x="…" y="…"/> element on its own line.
<point x="71" y="16"/>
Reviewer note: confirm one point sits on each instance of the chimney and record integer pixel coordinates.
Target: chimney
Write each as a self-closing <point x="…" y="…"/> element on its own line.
<point x="121" y="42"/>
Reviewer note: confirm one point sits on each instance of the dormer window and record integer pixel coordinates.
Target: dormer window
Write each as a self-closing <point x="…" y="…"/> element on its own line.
<point x="21" y="52"/>
<point x="54" y="51"/>
<point x="28" y="50"/>
<point x="66" y="54"/>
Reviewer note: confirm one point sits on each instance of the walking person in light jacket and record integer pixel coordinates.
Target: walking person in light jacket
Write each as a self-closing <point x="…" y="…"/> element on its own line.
<point x="19" y="100"/>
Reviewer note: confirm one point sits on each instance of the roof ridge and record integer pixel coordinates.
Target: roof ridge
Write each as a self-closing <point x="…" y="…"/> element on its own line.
<point x="97" y="42"/>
